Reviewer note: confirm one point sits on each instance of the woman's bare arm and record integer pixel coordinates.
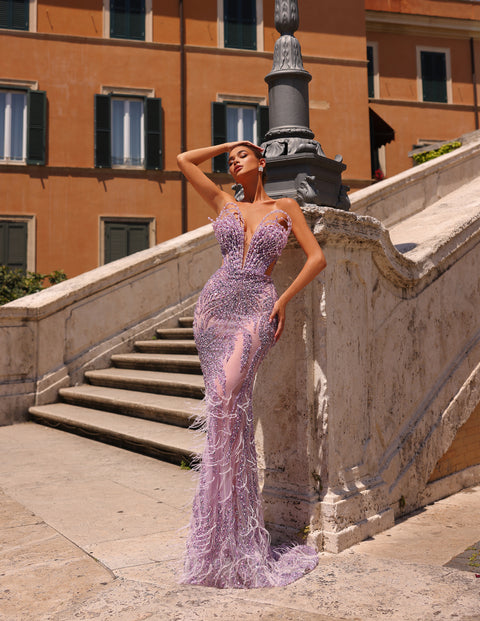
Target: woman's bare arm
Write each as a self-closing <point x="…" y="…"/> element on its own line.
<point x="314" y="264"/>
<point x="189" y="161"/>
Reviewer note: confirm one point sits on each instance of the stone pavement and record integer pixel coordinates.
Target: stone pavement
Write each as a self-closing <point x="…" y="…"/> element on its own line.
<point x="90" y="531"/>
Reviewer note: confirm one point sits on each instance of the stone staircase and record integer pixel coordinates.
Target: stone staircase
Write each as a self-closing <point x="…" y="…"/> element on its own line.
<point x="144" y="402"/>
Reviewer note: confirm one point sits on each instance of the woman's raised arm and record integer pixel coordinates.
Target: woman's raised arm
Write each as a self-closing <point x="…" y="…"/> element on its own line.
<point x="189" y="161"/>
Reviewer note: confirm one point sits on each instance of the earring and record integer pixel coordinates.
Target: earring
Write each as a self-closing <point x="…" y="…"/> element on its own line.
<point x="260" y="169"/>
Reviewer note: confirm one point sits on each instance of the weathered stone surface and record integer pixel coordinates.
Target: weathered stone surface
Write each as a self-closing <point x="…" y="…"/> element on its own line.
<point x="407" y="193"/>
<point x="49" y="573"/>
<point x="378" y="368"/>
<point x="48" y="340"/>
<point x="40" y="570"/>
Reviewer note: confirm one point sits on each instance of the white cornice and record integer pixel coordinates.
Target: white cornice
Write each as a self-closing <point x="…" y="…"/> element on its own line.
<point x="383" y="21"/>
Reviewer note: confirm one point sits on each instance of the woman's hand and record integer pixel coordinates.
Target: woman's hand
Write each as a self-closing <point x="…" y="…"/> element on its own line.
<point x="245" y="143"/>
<point x="278" y="311"/>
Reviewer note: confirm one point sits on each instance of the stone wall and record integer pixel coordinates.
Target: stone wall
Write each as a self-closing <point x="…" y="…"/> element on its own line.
<point x="464" y="451"/>
<point x="379" y="368"/>
<point x="48" y="340"/>
<point x="407" y="193"/>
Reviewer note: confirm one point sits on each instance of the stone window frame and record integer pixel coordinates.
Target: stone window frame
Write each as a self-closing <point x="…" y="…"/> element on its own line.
<point x="149" y="220"/>
<point x="376" y="73"/>
<point x="221" y="29"/>
<point x="32" y="15"/>
<point x="148" y="22"/>
<point x="31" y="221"/>
<point x="448" y="70"/>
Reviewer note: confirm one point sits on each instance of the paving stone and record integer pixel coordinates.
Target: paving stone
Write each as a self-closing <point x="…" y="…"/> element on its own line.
<point x="99" y="501"/>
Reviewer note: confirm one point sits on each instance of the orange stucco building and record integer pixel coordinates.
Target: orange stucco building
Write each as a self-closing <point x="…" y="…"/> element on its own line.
<point x="98" y="96"/>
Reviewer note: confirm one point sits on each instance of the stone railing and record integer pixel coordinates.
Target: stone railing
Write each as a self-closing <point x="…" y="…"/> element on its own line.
<point x="377" y="370"/>
<point x="407" y="193"/>
<point x="49" y="339"/>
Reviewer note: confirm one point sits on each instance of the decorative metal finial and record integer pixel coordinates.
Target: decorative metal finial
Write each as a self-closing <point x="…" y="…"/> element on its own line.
<point x="297" y="166"/>
<point x="286" y="17"/>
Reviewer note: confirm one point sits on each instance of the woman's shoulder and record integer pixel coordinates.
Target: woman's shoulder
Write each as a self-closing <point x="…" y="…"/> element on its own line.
<point x="289" y="205"/>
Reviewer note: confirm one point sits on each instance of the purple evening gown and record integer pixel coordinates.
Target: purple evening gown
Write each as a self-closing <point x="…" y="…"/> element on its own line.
<point x="228" y="545"/>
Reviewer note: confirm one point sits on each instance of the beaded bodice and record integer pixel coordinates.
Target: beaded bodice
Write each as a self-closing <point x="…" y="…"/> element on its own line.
<point x="266" y="244"/>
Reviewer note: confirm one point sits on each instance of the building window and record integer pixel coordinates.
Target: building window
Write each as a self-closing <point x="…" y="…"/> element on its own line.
<point x="372" y="70"/>
<point x="13" y="244"/>
<point x="128" y="145"/>
<point x="128" y="132"/>
<point x="434" y="75"/>
<point x="22" y="126"/>
<point x="127" y="19"/>
<point x="14" y="14"/>
<point x="124" y="237"/>
<point x="240" y="24"/>
<point x="13" y="124"/>
<point x="235" y="121"/>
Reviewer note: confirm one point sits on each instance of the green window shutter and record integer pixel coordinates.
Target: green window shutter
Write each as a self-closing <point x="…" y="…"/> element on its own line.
<point x="262" y="123"/>
<point x="116" y="241"/>
<point x="20" y="10"/>
<point x="118" y="19"/>
<point x="14" y="14"/>
<point x="137" y="19"/>
<point x="371" y="86"/>
<point x="13" y="245"/>
<point x="4" y="13"/>
<point x="219" y="134"/>
<point x="124" y="238"/>
<point x="127" y="19"/>
<point x="240" y="24"/>
<point x="3" y="243"/>
<point x="103" y="145"/>
<point x="137" y="237"/>
<point x="37" y="126"/>
<point x="153" y="133"/>
<point x="434" y="76"/>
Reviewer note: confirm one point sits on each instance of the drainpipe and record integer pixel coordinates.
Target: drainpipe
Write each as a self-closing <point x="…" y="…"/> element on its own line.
<point x="474" y="81"/>
<point x="183" y="113"/>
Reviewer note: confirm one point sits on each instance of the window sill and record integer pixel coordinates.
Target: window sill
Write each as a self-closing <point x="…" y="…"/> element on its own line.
<point x="3" y="28"/>
<point x="8" y="162"/>
<point x="421" y="104"/>
<point x="126" y="167"/>
<point x="119" y="38"/>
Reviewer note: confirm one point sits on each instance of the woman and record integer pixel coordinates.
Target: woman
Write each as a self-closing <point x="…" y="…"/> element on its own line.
<point x="237" y="319"/>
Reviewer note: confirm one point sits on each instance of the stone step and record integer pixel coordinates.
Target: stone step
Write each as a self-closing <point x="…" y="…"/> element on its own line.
<point x="167" y="442"/>
<point x="162" y="408"/>
<point x="174" y="333"/>
<point x="161" y="346"/>
<point x="185" y="322"/>
<point x="171" y="363"/>
<point x="179" y="384"/>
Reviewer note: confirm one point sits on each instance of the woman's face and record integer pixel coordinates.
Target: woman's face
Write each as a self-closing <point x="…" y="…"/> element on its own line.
<point x="243" y="161"/>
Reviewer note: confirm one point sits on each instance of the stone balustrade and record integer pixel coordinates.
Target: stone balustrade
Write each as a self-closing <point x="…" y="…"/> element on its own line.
<point x="49" y="339"/>
<point x="407" y="193"/>
<point x="378" y="367"/>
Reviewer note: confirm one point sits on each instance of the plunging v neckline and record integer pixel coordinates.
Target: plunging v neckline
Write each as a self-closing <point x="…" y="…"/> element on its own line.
<point x="241" y="220"/>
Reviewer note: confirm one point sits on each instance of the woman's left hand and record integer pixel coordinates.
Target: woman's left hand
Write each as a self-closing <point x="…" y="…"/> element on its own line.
<point x="279" y="312"/>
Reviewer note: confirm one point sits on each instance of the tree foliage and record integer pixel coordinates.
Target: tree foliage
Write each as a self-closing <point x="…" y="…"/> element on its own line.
<point x="15" y="284"/>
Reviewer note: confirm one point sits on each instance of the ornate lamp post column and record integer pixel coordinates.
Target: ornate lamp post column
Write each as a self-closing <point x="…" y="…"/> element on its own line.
<point x="297" y="166"/>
